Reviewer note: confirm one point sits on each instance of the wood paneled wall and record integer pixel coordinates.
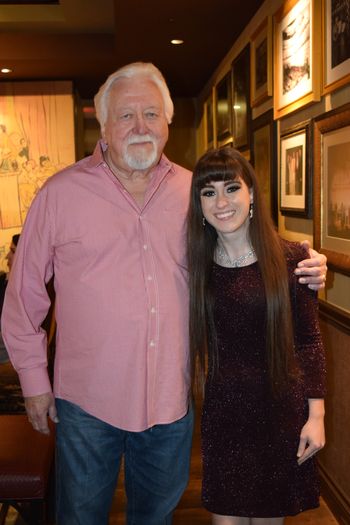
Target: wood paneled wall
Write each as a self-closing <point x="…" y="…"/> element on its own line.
<point x="334" y="460"/>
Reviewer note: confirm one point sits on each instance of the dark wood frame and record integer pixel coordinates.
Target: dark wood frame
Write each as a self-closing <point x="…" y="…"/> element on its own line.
<point x="267" y="120"/>
<point x="304" y="127"/>
<point x="223" y="96"/>
<point x="241" y="95"/>
<point x="209" y="121"/>
<point x="262" y="36"/>
<point x="328" y="122"/>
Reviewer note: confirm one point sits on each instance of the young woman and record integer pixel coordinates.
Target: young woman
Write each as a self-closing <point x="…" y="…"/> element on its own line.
<point x="256" y="349"/>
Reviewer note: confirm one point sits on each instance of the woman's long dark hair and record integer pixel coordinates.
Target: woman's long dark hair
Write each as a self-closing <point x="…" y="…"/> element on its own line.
<point x="229" y="164"/>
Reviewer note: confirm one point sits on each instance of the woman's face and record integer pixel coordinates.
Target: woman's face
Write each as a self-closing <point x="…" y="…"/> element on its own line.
<point x="225" y="205"/>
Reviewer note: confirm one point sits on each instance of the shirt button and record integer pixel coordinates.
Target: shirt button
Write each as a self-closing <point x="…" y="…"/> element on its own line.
<point x="153" y="310"/>
<point x="149" y="277"/>
<point x="145" y="246"/>
<point x="152" y="343"/>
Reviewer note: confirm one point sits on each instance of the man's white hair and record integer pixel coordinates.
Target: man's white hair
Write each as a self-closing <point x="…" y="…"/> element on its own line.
<point x="134" y="70"/>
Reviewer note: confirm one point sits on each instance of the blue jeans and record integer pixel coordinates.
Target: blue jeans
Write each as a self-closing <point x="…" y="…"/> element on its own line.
<point x="89" y="453"/>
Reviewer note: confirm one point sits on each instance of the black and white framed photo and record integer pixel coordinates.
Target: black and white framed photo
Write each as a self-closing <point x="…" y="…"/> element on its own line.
<point x="336" y="44"/>
<point x="297" y="61"/>
<point x="296" y="171"/>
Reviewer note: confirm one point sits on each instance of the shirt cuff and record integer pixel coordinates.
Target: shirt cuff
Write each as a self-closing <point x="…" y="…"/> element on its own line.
<point x="34" y="382"/>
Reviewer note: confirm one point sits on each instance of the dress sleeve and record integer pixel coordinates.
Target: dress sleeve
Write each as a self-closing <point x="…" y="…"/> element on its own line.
<point x="27" y="301"/>
<point x="307" y="334"/>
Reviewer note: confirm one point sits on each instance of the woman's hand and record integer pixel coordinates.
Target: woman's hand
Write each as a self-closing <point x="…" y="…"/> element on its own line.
<point x="312" y="437"/>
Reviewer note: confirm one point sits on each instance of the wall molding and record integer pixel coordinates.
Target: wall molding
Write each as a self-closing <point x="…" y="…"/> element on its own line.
<point x="334" y="497"/>
<point x="336" y="316"/>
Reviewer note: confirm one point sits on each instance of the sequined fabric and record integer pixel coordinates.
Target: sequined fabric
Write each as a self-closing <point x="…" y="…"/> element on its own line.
<point x="250" y="439"/>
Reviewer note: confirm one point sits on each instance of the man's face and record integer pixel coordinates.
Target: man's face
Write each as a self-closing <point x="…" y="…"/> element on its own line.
<point x="136" y="130"/>
<point x="10" y="255"/>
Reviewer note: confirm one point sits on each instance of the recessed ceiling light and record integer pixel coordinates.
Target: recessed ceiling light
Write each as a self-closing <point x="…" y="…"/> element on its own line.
<point x="177" y="41"/>
<point x="6" y="70"/>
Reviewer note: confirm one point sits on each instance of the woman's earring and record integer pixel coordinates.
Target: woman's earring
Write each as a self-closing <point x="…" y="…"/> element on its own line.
<point x="203" y="221"/>
<point x="251" y="211"/>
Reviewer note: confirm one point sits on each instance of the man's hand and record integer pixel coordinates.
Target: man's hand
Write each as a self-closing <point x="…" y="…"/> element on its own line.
<point x="38" y="408"/>
<point x="313" y="271"/>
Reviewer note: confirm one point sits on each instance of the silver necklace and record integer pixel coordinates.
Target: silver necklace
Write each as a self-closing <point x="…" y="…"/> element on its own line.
<point x="233" y="263"/>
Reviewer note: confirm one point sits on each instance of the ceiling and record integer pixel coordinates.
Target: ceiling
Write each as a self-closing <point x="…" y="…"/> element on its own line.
<point x="86" y="40"/>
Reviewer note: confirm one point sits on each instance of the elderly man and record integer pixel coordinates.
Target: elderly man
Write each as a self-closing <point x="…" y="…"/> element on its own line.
<point x="111" y="228"/>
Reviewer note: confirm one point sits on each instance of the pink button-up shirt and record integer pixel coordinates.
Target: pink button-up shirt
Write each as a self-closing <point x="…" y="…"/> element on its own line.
<point x="121" y="294"/>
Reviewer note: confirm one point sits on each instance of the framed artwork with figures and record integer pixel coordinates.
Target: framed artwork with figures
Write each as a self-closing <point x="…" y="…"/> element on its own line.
<point x="297" y="61"/>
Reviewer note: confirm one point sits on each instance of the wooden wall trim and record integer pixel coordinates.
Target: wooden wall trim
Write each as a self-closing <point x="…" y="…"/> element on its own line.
<point x="334" y="498"/>
<point x="337" y="317"/>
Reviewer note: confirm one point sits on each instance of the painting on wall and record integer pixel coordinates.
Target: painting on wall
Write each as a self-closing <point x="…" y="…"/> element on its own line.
<point x="36" y="140"/>
<point x="209" y="122"/>
<point x="336" y="44"/>
<point x="332" y="187"/>
<point x="297" y="59"/>
<point x="261" y="63"/>
<point x="223" y="109"/>
<point x="264" y="159"/>
<point x="241" y="99"/>
<point x="296" y="171"/>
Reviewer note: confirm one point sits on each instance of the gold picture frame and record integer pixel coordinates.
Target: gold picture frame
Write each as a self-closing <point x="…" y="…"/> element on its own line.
<point x="297" y="61"/>
<point x="335" y="44"/>
<point x="261" y="63"/>
<point x="332" y="187"/>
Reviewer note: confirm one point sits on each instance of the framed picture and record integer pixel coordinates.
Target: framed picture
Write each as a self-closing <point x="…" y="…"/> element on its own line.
<point x="241" y="99"/>
<point x="223" y="109"/>
<point x="297" y="38"/>
<point x="37" y="138"/>
<point x="336" y="44"/>
<point x="296" y="171"/>
<point x="261" y="63"/>
<point x="264" y="158"/>
<point x="332" y="187"/>
<point x="209" y="121"/>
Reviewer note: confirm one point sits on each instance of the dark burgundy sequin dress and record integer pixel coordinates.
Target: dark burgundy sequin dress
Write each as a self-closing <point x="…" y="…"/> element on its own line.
<point x="250" y="440"/>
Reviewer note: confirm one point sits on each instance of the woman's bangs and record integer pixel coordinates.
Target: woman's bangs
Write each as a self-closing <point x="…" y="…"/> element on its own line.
<point x="218" y="172"/>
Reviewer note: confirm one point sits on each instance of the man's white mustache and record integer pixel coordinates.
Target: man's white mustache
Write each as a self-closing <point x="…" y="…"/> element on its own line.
<point x="137" y="139"/>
